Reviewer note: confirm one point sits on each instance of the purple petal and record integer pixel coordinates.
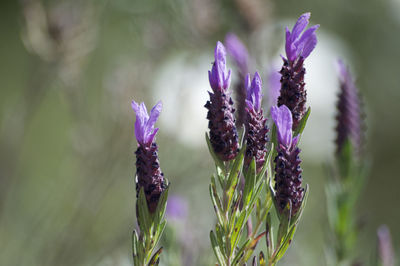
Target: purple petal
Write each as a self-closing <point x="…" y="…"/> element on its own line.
<point x="283" y="121"/>
<point x="237" y="50"/>
<point x="154" y="114"/>
<point x="307" y="42"/>
<point x="300" y="25"/>
<point x="298" y="44"/>
<point x="256" y="88"/>
<point x="253" y="91"/>
<point x="274" y="81"/>
<point x="219" y="77"/>
<point x="141" y="118"/>
<point x="144" y="125"/>
<point x="288" y="44"/>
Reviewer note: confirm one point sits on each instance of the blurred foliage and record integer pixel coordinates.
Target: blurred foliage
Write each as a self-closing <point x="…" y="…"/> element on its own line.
<point x="69" y="70"/>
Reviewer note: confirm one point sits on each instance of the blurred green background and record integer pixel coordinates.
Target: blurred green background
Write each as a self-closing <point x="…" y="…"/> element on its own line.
<point x="69" y="70"/>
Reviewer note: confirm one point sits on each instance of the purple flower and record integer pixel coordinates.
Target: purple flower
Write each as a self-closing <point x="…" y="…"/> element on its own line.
<point x="219" y="77"/>
<point x="299" y="43"/>
<point x="223" y="133"/>
<point x="176" y="207"/>
<point x="144" y="125"/>
<point x="148" y="171"/>
<point x="283" y="121"/>
<point x="238" y="51"/>
<point x="298" y="46"/>
<point x="256" y="125"/>
<point x="253" y="90"/>
<point x="274" y="90"/>
<point x="288" y="177"/>
<point x="349" y="117"/>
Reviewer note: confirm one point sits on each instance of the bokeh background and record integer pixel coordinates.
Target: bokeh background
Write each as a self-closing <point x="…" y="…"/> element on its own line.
<point x="69" y="70"/>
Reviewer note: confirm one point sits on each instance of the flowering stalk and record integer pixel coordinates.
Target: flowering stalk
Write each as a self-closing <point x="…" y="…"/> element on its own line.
<point x="151" y="188"/>
<point x="347" y="174"/>
<point x="298" y="47"/>
<point x="288" y="194"/>
<point x="238" y="51"/>
<point x="223" y="145"/>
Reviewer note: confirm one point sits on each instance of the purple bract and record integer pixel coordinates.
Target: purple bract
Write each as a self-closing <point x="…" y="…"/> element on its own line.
<point x="299" y="43"/>
<point x="144" y="125"/>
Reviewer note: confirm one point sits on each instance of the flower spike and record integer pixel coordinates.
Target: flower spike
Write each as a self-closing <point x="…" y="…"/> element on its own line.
<point x="298" y="47"/>
<point x="256" y="124"/>
<point x="148" y="171"/>
<point x="223" y="133"/>
<point x="288" y="179"/>
<point x="349" y="117"/>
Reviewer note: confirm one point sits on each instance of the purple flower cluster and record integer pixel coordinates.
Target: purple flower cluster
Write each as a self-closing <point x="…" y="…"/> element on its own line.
<point x="298" y="47"/>
<point x="148" y="171"/>
<point x="256" y="125"/>
<point x="288" y="177"/>
<point x="349" y="116"/>
<point x="223" y="133"/>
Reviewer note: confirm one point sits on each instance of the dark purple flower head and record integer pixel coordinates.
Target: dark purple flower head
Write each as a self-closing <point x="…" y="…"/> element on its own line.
<point x="148" y="171"/>
<point x="283" y="121"/>
<point x="299" y="43"/>
<point x="253" y="89"/>
<point x="288" y="177"/>
<point x="274" y="90"/>
<point x="238" y="51"/>
<point x="223" y="132"/>
<point x="256" y="124"/>
<point x="144" y="125"/>
<point x="349" y="116"/>
<point x="219" y="77"/>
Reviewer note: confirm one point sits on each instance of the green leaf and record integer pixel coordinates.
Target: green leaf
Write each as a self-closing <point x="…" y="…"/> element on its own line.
<point x="159" y="231"/>
<point x="216" y="249"/>
<point x="235" y="169"/>
<point x="135" y="248"/>
<point x="233" y="177"/>
<point x="240" y="253"/>
<point x="238" y="228"/>
<point x="218" y="162"/>
<point x="161" y="206"/>
<point x="216" y="203"/>
<point x="284" y="223"/>
<point x="144" y="217"/>
<point x="250" y="179"/>
<point x="267" y="165"/>
<point x="155" y="259"/>
<point x="302" y="124"/>
<point x="285" y="244"/>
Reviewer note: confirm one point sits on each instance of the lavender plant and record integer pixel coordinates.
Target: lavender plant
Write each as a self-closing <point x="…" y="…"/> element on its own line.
<point x="151" y="188"/>
<point x="347" y="174"/>
<point x="229" y="153"/>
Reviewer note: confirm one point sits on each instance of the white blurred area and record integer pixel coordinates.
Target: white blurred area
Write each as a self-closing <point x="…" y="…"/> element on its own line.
<point x="181" y="82"/>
